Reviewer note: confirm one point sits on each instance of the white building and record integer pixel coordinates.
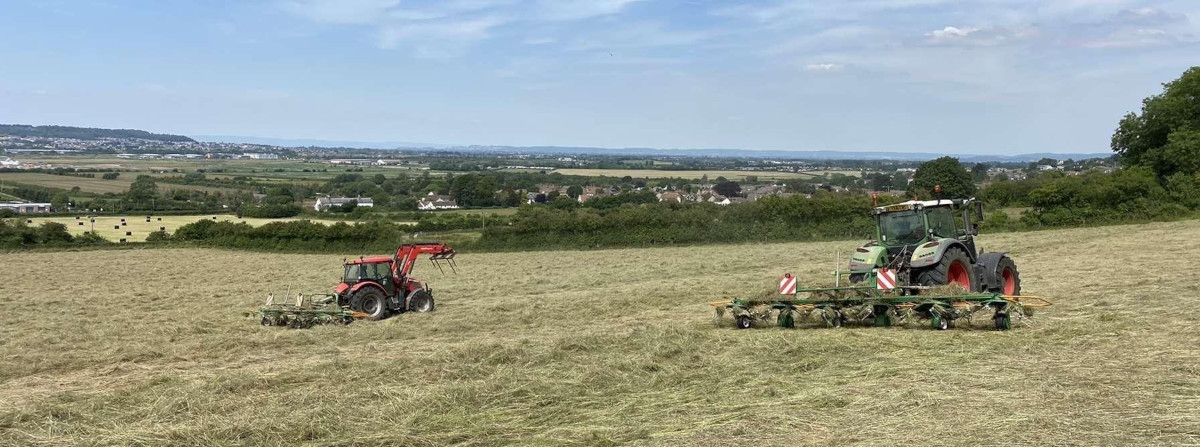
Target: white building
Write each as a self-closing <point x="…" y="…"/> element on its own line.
<point x="256" y="156"/>
<point x="436" y="202"/>
<point x="9" y="163"/>
<point x="26" y="207"/>
<point x="323" y="203"/>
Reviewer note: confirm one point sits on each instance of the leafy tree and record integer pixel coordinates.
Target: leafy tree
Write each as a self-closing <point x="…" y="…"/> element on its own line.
<point x="945" y="171"/>
<point x="1165" y="137"/>
<point x="728" y="189"/>
<point x="143" y="189"/>
<point x="979" y="172"/>
<point x="349" y="207"/>
<point x="59" y="201"/>
<point x="110" y="175"/>
<point x="574" y="191"/>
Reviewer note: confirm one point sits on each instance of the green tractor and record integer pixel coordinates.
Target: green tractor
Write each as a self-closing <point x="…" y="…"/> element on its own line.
<point x="932" y="243"/>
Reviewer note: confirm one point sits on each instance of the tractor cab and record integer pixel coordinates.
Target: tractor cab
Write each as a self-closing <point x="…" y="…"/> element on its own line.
<point x="376" y="269"/>
<point x="915" y="234"/>
<point x="906" y="225"/>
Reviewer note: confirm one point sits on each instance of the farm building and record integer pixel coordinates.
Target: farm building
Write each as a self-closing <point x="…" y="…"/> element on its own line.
<point x="324" y="203"/>
<point x="25" y="207"/>
<point x="258" y="156"/>
<point x="436" y="202"/>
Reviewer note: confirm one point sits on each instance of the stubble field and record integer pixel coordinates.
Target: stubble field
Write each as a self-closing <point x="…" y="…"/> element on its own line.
<point x="611" y="347"/>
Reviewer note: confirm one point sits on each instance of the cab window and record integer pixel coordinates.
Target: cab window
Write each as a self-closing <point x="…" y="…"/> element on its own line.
<point x="941" y="222"/>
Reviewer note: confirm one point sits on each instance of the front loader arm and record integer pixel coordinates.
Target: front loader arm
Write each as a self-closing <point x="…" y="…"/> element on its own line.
<point x="406" y="255"/>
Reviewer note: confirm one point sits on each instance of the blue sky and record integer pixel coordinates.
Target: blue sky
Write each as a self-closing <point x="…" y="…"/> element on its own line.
<point x="969" y="77"/>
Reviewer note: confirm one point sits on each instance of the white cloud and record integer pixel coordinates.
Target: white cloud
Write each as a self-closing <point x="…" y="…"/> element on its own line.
<point x="557" y="10"/>
<point x="950" y="32"/>
<point x="823" y="67"/>
<point x="427" y="33"/>
<point x="340" y="11"/>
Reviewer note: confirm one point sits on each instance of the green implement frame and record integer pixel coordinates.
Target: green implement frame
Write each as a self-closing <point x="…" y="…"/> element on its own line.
<point x="305" y="310"/>
<point x="838" y="306"/>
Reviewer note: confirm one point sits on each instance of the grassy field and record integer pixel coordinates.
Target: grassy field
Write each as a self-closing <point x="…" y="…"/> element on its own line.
<point x="610" y="347"/>
<point x="712" y="175"/>
<point x="96" y="185"/>
<point x="110" y="226"/>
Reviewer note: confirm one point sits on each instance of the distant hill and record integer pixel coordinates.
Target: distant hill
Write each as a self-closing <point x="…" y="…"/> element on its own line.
<point x="86" y="133"/>
<point x="295" y="142"/>
<point x="779" y="154"/>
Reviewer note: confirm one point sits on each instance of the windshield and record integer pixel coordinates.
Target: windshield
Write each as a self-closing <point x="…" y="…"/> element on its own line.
<point x="901" y="228"/>
<point x="941" y="222"/>
<point x="351" y="273"/>
<point x="379" y="271"/>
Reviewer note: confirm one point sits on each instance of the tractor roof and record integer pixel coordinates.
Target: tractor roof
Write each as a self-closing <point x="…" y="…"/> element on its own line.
<point x="371" y="260"/>
<point x="915" y="204"/>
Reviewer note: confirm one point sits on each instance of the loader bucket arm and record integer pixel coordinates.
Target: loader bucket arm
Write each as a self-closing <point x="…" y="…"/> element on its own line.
<point x="406" y="256"/>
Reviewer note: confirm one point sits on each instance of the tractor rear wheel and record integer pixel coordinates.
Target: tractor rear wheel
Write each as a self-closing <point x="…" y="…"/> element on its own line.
<point x="954" y="268"/>
<point x="370" y="301"/>
<point x="1010" y="279"/>
<point x="421" y="302"/>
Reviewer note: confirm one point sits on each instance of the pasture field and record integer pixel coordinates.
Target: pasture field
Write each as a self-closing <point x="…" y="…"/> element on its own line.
<point x="606" y="347"/>
<point x="712" y="175"/>
<point x="105" y="225"/>
<point x="97" y="184"/>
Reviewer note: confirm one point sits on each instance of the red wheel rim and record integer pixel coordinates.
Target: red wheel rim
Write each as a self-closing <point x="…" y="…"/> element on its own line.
<point x="958" y="275"/>
<point x="1010" y="286"/>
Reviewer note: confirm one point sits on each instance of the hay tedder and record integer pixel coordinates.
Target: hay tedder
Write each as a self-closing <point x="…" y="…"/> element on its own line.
<point x="371" y="288"/>
<point x="922" y="265"/>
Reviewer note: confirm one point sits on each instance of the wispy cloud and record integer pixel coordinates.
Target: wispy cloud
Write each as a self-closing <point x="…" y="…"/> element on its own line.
<point x="823" y="67"/>
<point x="580" y="9"/>
<point x="453" y="24"/>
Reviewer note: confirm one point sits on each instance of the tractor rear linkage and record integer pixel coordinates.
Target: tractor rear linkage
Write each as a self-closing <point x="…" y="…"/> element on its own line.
<point x="837" y="306"/>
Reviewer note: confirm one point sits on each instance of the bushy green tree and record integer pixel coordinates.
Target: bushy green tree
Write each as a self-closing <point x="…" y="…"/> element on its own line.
<point x="1165" y="137"/>
<point x="946" y="171"/>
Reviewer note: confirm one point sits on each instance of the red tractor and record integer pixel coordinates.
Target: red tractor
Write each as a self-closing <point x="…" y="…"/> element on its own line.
<point x="378" y="286"/>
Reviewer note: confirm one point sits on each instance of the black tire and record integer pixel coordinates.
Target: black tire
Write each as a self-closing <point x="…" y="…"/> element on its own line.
<point x="856" y="278"/>
<point x="1006" y="270"/>
<point x="939" y="322"/>
<point x="421" y="302"/>
<point x="940" y="274"/>
<point x="1002" y="321"/>
<point x="743" y="322"/>
<point x="370" y="301"/>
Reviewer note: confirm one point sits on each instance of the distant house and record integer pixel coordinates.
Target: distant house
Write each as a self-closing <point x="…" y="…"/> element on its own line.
<point x="9" y="163"/>
<point x="436" y="202"/>
<point x="254" y="156"/>
<point x="669" y="196"/>
<point x="25" y="207"/>
<point x="324" y="203"/>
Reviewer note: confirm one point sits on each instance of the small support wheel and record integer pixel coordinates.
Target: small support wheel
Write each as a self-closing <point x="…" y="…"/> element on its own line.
<point x="743" y="322"/>
<point x="1003" y="321"/>
<point x="939" y="323"/>
<point x="265" y="321"/>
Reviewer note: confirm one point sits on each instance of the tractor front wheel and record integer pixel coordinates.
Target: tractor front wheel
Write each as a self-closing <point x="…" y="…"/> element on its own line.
<point x="1010" y="279"/>
<point x="954" y="268"/>
<point x="421" y="302"/>
<point x="370" y="301"/>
